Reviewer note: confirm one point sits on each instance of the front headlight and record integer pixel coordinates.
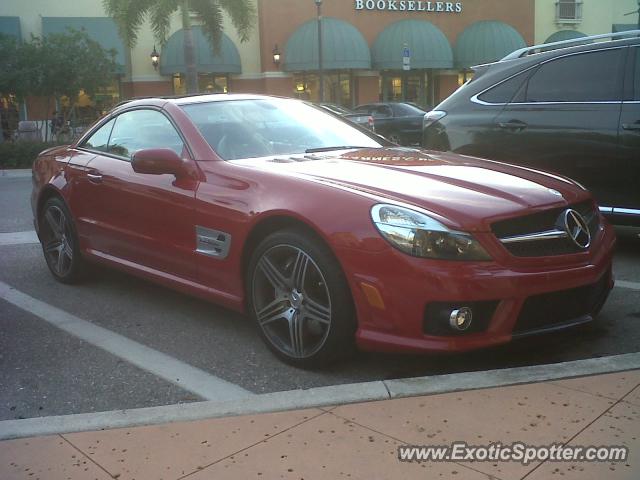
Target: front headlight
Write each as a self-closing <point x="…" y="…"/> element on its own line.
<point x="419" y="235"/>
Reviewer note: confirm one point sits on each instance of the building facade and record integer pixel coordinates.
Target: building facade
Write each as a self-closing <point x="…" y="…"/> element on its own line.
<point x="557" y="20"/>
<point x="372" y="50"/>
<point x="417" y="51"/>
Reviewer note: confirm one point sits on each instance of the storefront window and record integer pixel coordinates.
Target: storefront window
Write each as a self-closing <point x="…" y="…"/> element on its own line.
<point x="9" y="116"/>
<point x="338" y="88"/>
<point x="464" y="77"/>
<point x="86" y="110"/>
<point x="405" y="87"/>
<point x="207" y="83"/>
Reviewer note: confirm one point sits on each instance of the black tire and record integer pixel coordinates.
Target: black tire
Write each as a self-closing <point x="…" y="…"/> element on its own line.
<point x="324" y="289"/>
<point x="59" y="242"/>
<point x="395" y="138"/>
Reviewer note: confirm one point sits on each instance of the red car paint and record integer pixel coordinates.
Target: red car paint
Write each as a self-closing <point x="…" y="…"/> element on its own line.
<point x="145" y="224"/>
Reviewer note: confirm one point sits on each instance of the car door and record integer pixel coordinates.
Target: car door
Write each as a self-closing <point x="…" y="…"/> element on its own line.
<point x="564" y="119"/>
<point x="383" y="119"/>
<point x="139" y="219"/>
<point x="79" y="180"/>
<point x="408" y="121"/>
<point x="627" y="198"/>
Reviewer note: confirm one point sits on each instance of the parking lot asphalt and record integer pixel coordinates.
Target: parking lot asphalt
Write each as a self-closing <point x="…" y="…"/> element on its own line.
<point x="47" y="371"/>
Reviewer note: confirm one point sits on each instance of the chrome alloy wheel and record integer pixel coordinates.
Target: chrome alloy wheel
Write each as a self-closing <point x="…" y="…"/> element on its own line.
<point x="57" y="240"/>
<point x="291" y="301"/>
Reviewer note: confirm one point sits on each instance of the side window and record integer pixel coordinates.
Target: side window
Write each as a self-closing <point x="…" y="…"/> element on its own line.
<point x="382" y="111"/>
<point x="586" y="77"/>
<point x="506" y="91"/>
<point x="140" y="129"/>
<point x="636" y="88"/>
<point x="100" y="139"/>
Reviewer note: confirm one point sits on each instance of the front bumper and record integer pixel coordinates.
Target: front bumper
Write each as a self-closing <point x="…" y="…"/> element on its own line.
<point x="520" y="298"/>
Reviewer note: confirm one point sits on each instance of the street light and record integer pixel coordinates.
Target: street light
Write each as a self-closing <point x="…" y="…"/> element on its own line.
<point x="276" y="55"/>
<point x="320" y="67"/>
<point x="155" y="58"/>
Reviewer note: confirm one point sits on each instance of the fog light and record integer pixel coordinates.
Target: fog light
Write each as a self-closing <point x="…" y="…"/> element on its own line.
<point x="460" y="319"/>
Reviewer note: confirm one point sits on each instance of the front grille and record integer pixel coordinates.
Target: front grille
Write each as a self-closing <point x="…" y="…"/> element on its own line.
<point x="541" y="222"/>
<point x="549" y="309"/>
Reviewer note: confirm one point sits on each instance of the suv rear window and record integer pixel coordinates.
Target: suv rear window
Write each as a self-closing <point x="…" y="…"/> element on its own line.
<point x="505" y="91"/>
<point x="586" y="77"/>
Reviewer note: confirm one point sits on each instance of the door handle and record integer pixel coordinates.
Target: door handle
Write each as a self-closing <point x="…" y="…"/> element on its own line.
<point x="631" y="126"/>
<point x="513" y="125"/>
<point x="94" y="177"/>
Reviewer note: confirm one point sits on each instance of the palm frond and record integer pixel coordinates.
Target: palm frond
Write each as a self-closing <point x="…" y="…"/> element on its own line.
<point x="210" y="14"/>
<point x="242" y="13"/>
<point x="160" y="17"/>
<point x="128" y="15"/>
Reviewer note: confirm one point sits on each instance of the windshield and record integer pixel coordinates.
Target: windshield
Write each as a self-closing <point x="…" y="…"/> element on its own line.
<point x="266" y="127"/>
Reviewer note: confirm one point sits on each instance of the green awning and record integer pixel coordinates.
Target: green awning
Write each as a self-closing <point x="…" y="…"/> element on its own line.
<point x="101" y="29"/>
<point x="10" y="26"/>
<point x="565" y="35"/>
<point x="207" y="61"/>
<point x="486" y="42"/>
<point x="428" y="46"/>
<point x="343" y="47"/>
<point x="623" y="27"/>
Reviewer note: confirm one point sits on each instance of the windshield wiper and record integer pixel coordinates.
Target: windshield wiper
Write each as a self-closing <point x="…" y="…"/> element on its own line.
<point x="328" y="149"/>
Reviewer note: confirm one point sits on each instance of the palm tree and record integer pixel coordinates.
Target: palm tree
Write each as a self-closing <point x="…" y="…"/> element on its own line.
<point x="129" y="15"/>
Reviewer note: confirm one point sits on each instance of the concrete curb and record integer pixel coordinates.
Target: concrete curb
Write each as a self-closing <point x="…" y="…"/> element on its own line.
<point x="15" y="173"/>
<point x="316" y="397"/>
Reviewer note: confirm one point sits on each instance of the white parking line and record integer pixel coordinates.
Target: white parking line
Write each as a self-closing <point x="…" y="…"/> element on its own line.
<point x="15" y="173"/>
<point x="18" y="238"/>
<point x="168" y="368"/>
<point x="629" y="285"/>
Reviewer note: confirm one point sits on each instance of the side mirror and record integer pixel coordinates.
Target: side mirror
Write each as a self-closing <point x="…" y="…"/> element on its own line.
<point x="157" y="161"/>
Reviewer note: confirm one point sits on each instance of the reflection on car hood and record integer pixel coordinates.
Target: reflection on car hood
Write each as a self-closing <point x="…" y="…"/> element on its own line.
<point x="466" y="190"/>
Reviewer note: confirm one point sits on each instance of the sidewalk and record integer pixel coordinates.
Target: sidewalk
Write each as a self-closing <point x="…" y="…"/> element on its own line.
<point x="357" y="441"/>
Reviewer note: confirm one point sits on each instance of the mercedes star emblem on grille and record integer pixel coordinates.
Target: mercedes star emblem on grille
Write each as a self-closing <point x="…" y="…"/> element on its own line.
<point x="577" y="228"/>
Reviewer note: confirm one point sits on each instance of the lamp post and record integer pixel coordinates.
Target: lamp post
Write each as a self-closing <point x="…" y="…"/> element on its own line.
<point x="276" y="55"/>
<point x="320" y="66"/>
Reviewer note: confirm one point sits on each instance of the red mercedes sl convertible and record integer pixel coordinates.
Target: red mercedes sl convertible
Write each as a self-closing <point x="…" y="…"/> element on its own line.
<point x="327" y="235"/>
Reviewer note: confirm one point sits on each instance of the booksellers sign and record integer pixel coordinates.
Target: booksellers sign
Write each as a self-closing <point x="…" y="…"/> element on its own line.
<point x="409" y="6"/>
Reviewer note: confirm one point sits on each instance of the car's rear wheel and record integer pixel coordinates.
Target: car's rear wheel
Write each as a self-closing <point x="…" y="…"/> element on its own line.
<point x="300" y="300"/>
<point x="60" y="242"/>
<point x="395" y="138"/>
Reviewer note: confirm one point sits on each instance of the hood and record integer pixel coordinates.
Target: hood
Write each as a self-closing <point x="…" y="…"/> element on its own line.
<point x="465" y="192"/>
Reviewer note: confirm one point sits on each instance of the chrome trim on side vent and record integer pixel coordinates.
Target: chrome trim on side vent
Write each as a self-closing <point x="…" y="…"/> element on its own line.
<point x="532" y="237"/>
<point x="212" y="243"/>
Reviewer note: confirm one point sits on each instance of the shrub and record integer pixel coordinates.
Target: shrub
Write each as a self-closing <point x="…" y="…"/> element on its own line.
<point x="21" y="154"/>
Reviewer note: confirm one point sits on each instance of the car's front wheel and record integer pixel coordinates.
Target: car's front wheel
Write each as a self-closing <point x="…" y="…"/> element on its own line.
<point x="60" y="242"/>
<point x="300" y="300"/>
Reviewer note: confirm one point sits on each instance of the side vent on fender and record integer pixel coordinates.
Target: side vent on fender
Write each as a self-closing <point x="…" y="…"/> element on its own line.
<point x="213" y="243"/>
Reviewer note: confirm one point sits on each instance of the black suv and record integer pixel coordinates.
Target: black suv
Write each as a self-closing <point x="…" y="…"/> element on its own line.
<point x="574" y="110"/>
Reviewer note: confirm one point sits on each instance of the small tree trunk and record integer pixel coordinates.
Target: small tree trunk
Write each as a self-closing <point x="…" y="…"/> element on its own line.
<point x="46" y="121"/>
<point x="189" y="49"/>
